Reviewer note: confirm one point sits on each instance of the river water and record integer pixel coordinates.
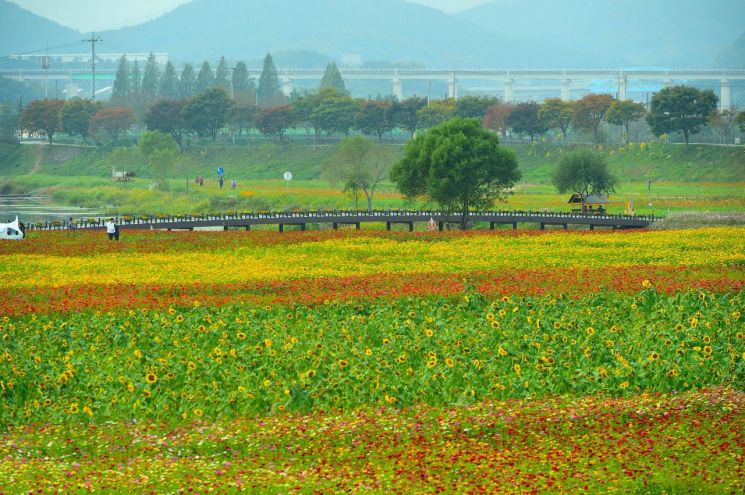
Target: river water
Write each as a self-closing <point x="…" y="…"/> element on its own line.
<point x="32" y="209"/>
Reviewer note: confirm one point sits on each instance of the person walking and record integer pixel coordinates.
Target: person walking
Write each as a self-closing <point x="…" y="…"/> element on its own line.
<point x="111" y="229"/>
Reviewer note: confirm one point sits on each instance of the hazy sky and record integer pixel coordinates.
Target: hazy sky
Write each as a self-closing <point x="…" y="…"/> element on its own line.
<point x="88" y="15"/>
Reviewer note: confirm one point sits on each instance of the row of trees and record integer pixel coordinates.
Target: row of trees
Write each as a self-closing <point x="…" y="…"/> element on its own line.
<point x="140" y="89"/>
<point x="76" y="117"/>
<point x="676" y="109"/>
<point x="331" y="111"/>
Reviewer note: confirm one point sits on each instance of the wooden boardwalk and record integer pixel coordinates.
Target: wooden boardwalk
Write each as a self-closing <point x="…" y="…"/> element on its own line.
<point x="338" y="218"/>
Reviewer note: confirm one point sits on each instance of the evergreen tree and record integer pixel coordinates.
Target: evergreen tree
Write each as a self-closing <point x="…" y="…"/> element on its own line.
<point x="187" y="82"/>
<point x="150" y="80"/>
<point x="222" y="79"/>
<point x="121" y="83"/>
<point x="269" y="92"/>
<point x="243" y="88"/>
<point x="136" y="80"/>
<point x="205" y="79"/>
<point x="169" y="83"/>
<point x="332" y="79"/>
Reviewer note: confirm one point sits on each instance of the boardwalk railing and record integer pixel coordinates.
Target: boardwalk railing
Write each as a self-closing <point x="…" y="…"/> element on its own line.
<point x="345" y="217"/>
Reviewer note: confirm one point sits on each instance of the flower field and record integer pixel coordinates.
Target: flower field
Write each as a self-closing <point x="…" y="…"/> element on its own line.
<point x="373" y="362"/>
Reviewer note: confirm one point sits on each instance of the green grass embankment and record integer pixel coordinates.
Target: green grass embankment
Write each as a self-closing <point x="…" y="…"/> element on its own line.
<point x="632" y="163"/>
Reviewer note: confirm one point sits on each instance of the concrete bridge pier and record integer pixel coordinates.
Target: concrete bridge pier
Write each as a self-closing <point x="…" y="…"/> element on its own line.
<point x="622" y="84"/>
<point x="509" y="90"/>
<point x="565" y="94"/>
<point x="286" y="86"/>
<point x="724" y="96"/>
<point x="453" y="87"/>
<point x="398" y="89"/>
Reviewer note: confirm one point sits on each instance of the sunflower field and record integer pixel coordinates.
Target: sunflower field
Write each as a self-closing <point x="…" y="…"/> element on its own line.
<point x="373" y="362"/>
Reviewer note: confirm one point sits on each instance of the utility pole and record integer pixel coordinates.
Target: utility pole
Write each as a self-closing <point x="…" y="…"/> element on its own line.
<point x="45" y="66"/>
<point x="94" y="39"/>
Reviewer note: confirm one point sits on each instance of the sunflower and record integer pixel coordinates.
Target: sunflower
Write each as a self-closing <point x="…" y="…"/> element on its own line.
<point x="343" y="364"/>
<point x="310" y="373"/>
<point x="654" y="356"/>
<point x="198" y="413"/>
<point x="151" y="378"/>
<point x="590" y="331"/>
<point x="368" y="352"/>
<point x="449" y="362"/>
<point x="74" y="408"/>
<point x="495" y="324"/>
<point x="624" y="385"/>
<point x="191" y="366"/>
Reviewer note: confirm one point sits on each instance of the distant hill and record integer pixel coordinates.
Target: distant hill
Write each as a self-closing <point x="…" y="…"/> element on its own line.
<point x="666" y="33"/>
<point x="22" y="31"/>
<point x="734" y="54"/>
<point x="392" y="30"/>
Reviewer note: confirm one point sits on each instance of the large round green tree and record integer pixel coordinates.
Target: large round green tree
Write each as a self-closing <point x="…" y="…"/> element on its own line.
<point x="459" y="165"/>
<point x="681" y="108"/>
<point x="585" y="173"/>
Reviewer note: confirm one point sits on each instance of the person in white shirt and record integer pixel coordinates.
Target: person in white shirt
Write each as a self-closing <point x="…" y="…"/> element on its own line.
<point x="111" y="228"/>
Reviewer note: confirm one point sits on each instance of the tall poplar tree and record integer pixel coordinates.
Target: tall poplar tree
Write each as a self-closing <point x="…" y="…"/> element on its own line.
<point x="332" y="79"/>
<point x="121" y="84"/>
<point x="205" y="79"/>
<point x="187" y="82"/>
<point x="136" y="80"/>
<point x="169" y="83"/>
<point x="150" y="80"/>
<point x="243" y="87"/>
<point x="222" y="78"/>
<point x="269" y="91"/>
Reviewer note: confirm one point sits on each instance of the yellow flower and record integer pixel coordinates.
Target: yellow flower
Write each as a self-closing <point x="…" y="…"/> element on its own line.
<point x="267" y="382"/>
<point x="517" y="369"/>
<point x="74" y="408"/>
<point x="590" y="331"/>
<point x="646" y="284"/>
<point x="151" y="378"/>
<point x="431" y="363"/>
<point x="310" y="373"/>
<point x="342" y="364"/>
<point x="495" y="324"/>
<point x="654" y="356"/>
<point x="624" y="385"/>
<point x="268" y="342"/>
<point x="449" y="362"/>
<point x="389" y="399"/>
<point x="368" y="352"/>
<point x="501" y="351"/>
<point x="191" y="366"/>
<point x="198" y="413"/>
<point x="240" y="336"/>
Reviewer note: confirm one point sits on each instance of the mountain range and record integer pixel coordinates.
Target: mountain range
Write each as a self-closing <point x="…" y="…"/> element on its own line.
<point x="501" y="34"/>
